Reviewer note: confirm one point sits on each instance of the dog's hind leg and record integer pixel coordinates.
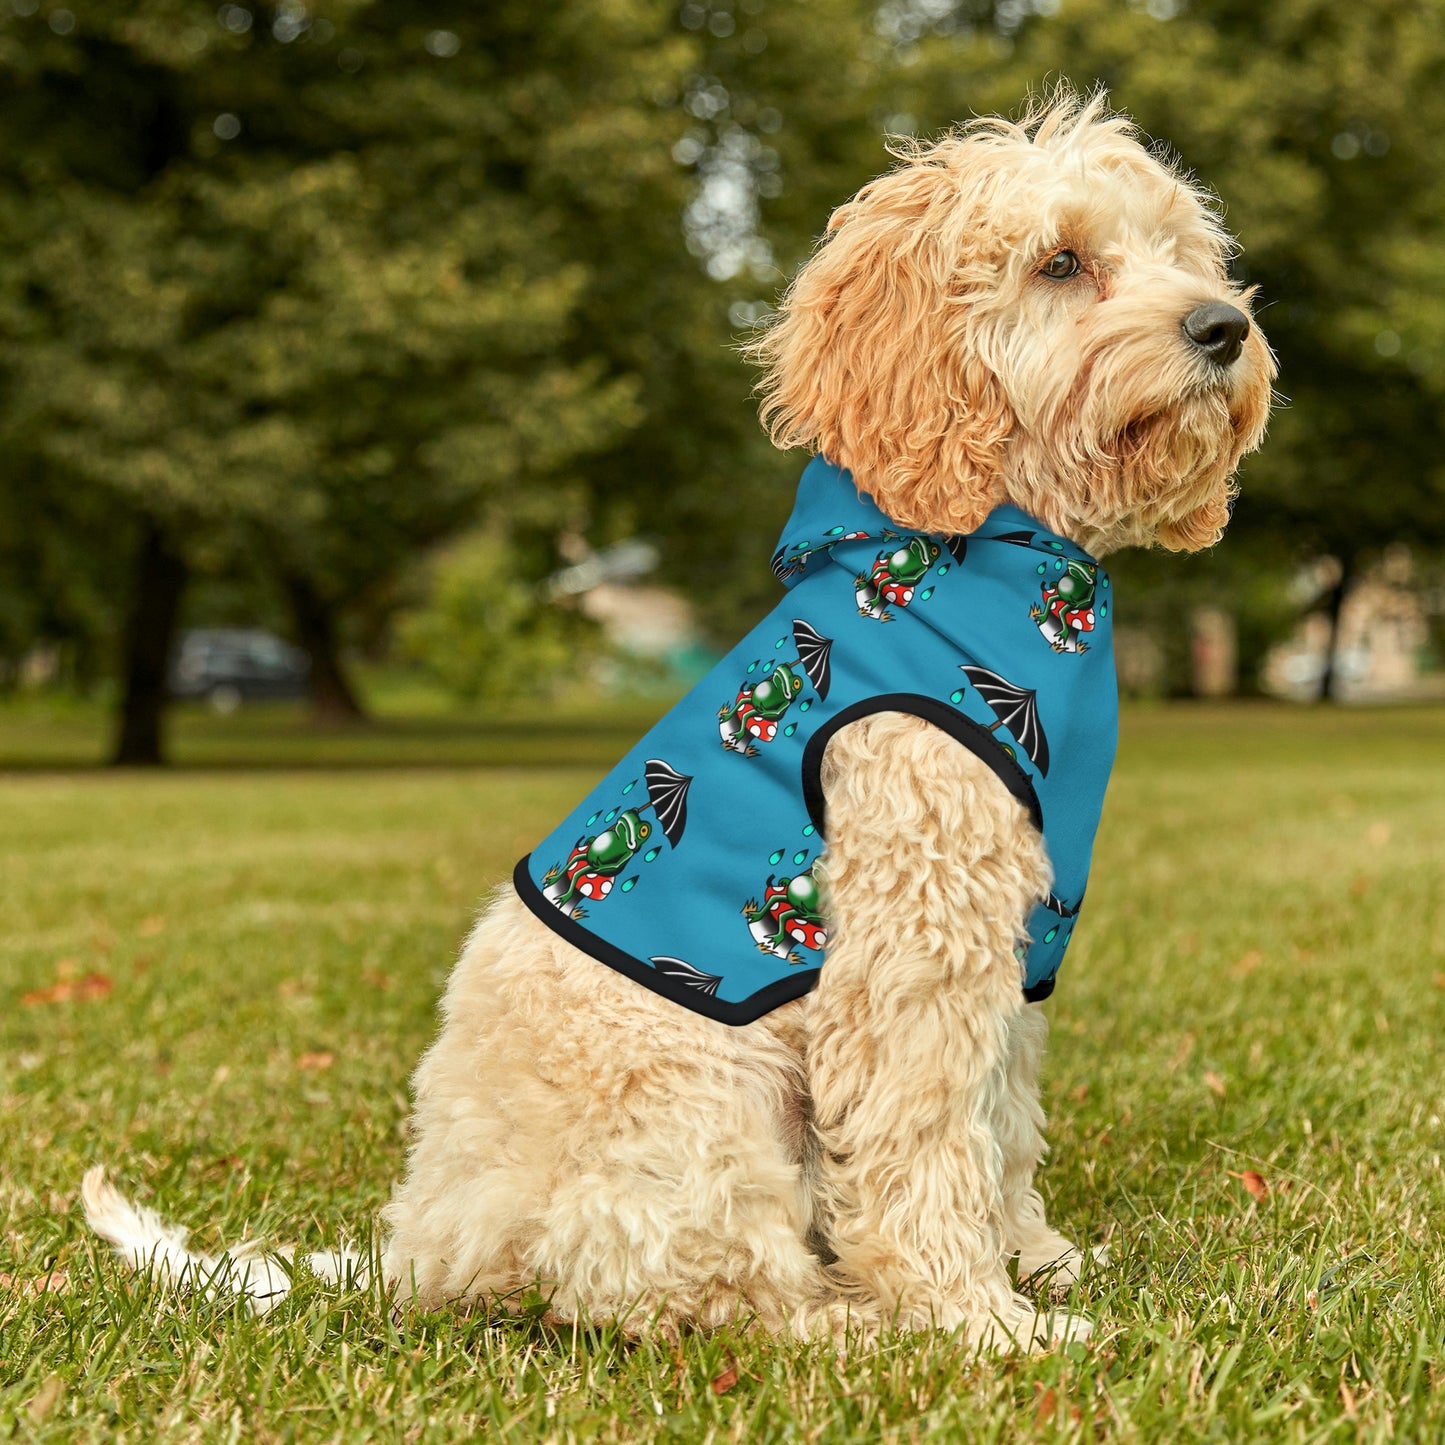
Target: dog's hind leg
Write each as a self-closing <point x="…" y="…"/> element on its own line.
<point x="931" y="869"/>
<point x="576" y="1134"/>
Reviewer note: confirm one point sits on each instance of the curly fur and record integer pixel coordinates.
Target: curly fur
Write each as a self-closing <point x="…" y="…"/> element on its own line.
<point x="921" y="348"/>
<point x="863" y="1156"/>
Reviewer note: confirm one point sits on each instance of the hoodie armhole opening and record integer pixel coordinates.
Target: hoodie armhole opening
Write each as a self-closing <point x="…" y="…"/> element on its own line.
<point x="971" y="735"/>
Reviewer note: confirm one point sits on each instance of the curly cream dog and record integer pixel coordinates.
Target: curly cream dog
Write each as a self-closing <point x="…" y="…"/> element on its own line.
<point x="1033" y="313"/>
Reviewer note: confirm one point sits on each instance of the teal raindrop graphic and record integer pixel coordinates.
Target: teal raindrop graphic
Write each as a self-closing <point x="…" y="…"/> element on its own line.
<point x="1052" y="934"/>
<point x="835" y="531"/>
<point x="629" y="787"/>
<point x="800" y="858"/>
<point x="651" y="853"/>
<point x="804" y="705"/>
<point x="1103" y="609"/>
<point x="1040" y="569"/>
<point x="1058" y="564"/>
<point x="943" y="570"/>
<point x="611" y="814"/>
<point x="1103" y="582"/>
<point x="775" y="858"/>
<point x="790" y="730"/>
<point x="781" y="642"/>
<point x="926" y="594"/>
<point x="1057" y="546"/>
<point x="628" y="884"/>
<point x="809" y="831"/>
<point x="956" y="696"/>
<point x="752" y="667"/>
<point x="593" y="819"/>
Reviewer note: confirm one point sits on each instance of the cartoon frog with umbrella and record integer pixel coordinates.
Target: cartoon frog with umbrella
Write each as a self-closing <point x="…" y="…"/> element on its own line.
<point x="592" y="866"/>
<point x="791" y="912"/>
<point x="753" y="716"/>
<point x="896" y="573"/>
<point x="894" y="577"/>
<point x="1065" y="610"/>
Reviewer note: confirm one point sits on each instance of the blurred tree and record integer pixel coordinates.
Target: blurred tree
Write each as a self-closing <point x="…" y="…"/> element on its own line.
<point x="297" y="283"/>
<point x="780" y="116"/>
<point x="316" y="286"/>
<point x="484" y="632"/>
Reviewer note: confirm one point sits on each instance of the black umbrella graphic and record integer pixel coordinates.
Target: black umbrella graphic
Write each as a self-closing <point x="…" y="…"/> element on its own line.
<point x="1016" y="710"/>
<point x="813" y="651"/>
<point x="680" y="971"/>
<point x="667" y="792"/>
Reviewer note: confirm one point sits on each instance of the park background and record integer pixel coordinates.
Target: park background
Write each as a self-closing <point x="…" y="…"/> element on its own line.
<point x="408" y="333"/>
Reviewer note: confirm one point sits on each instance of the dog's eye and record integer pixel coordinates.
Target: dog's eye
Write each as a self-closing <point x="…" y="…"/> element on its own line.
<point x="1060" y="266"/>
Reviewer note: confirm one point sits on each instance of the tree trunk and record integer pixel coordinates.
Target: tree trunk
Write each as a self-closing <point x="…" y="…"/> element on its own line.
<point x="150" y="629"/>
<point x="333" y="699"/>
<point x="1329" y="678"/>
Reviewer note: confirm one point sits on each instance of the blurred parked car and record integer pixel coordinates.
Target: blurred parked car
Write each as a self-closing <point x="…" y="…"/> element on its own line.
<point x="230" y="665"/>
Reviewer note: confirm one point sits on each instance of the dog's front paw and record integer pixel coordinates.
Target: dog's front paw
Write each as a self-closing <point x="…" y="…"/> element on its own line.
<point x="1023" y="1326"/>
<point x="1057" y="1267"/>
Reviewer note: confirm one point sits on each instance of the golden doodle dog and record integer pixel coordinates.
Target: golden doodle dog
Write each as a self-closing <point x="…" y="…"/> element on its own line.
<point x="1031" y="316"/>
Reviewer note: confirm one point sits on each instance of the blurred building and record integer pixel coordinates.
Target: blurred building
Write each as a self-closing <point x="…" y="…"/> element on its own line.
<point x="1382" y="647"/>
<point x="651" y="630"/>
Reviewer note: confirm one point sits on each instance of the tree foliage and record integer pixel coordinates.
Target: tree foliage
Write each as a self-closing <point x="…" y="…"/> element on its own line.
<point x="312" y="288"/>
<point x="303" y="289"/>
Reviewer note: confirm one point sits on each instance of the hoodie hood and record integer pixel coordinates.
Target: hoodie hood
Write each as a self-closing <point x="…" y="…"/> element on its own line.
<point x="831" y="517"/>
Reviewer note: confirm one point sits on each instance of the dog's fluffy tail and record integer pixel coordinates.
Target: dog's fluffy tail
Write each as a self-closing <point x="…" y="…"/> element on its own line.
<point x="147" y="1243"/>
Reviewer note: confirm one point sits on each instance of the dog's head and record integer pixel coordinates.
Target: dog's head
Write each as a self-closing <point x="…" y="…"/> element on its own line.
<point x="1037" y="313"/>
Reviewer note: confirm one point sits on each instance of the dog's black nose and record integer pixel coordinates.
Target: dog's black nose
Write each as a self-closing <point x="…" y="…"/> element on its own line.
<point x="1218" y="331"/>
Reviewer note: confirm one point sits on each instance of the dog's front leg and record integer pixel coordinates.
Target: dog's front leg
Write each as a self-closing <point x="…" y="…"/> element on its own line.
<point x="931" y="869"/>
<point x="1042" y="1251"/>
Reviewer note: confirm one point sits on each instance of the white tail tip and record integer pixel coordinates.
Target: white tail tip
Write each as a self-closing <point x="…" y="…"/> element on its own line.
<point x="148" y="1244"/>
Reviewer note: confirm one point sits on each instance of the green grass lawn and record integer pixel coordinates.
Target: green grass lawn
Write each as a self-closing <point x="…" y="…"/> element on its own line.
<point x="216" y="980"/>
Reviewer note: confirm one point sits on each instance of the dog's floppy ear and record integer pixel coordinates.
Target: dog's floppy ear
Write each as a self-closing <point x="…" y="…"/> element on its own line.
<point x="871" y="359"/>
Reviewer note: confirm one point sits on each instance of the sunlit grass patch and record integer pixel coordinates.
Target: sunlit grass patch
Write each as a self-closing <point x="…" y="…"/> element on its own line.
<point x="217" y="982"/>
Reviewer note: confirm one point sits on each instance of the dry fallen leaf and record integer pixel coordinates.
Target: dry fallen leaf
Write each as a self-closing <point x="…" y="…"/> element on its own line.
<point x="1046" y="1408"/>
<point x="1181" y="1054"/>
<point x="56" y="1282"/>
<point x="1080" y="1094"/>
<point x="1254" y="1183"/>
<point x="377" y="978"/>
<point x="1214" y="1083"/>
<point x="45" y="1399"/>
<point x="320" y="1059"/>
<point x="727" y="1379"/>
<point x="82" y="990"/>
<point x="1359" y="886"/>
<point x="1440" y="980"/>
<point x="1248" y="963"/>
<point x="1347" y="1399"/>
<point x="151" y="927"/>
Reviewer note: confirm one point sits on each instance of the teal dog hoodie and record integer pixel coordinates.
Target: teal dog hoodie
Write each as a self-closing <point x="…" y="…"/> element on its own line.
<point x="692" y="867"/>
